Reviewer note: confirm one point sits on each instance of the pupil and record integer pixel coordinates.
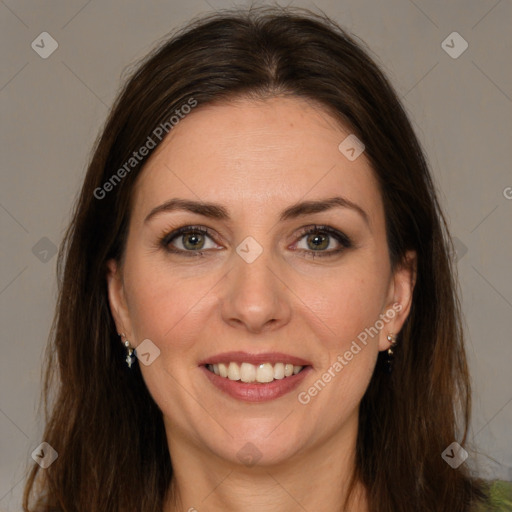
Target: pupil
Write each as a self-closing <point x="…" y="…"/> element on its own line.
<point x="317" y="241"/>
<point x="195" y="238"/>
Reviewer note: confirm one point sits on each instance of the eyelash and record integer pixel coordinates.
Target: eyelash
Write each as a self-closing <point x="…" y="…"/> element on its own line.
<point x="341" y="238"/>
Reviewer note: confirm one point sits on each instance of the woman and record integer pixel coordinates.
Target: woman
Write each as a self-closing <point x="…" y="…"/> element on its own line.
<point x="257" y="309"/>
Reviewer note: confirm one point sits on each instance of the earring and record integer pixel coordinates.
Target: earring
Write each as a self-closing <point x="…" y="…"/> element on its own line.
<point x="130" y="358"/>
<point x="389" y="363"/>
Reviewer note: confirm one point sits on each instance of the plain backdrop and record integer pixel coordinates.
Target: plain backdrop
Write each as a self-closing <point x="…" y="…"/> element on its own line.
<point x="52" y="109"/>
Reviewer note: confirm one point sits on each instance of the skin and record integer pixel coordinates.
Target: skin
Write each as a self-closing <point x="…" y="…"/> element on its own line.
<point x="257" y="158"/>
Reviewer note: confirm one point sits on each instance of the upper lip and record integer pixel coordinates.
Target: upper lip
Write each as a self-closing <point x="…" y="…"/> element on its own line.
<point x="255" y="359"/>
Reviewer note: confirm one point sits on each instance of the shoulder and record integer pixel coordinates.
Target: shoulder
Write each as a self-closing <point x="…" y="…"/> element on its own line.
<point x="500" y="497"/>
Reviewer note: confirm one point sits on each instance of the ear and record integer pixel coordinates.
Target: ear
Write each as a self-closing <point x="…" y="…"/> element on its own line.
<point x="117" y="299"/>
<point x="399" y="298"/>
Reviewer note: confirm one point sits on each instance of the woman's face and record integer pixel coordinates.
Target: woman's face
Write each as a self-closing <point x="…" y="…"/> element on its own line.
<point x="256" y="289"/>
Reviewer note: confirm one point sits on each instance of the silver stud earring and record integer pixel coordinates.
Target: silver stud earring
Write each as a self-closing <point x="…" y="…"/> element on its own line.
<point x="130" y="358"/>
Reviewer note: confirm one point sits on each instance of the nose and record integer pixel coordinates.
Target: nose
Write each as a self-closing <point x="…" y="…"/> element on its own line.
<point x="255" y="296"/>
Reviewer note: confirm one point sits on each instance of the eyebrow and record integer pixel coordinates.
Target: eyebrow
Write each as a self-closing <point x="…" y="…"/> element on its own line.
<point x="219" y="212"/>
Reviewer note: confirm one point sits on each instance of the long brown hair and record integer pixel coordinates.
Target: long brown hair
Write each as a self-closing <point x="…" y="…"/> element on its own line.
<point x="102" y="421"/>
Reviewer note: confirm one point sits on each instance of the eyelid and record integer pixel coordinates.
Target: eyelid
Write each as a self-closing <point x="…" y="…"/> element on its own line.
<point x="341" y="238"/>
<point x="166" y="238"/>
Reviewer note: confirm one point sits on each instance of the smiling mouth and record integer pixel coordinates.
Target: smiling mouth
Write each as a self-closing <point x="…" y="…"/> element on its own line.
<point x="250" y="373"/>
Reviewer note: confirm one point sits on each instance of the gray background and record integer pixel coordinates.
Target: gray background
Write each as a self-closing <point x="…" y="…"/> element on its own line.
<point x="52" y="109"/>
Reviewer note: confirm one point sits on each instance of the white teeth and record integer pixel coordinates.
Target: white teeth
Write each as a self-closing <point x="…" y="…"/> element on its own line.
<point x="223" y="371"/>
<point x="247" y="372"/>
<point x="233" y="371"/>
<point x="265" y="373"/>
<point x="279" y="371"/>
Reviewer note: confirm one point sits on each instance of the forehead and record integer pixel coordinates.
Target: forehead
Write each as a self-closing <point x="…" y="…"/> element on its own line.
<point x="255" y="156"/>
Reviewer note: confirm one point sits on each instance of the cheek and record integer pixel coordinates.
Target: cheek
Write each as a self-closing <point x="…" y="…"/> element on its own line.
<point x="349" y="308"/>
<point x="346" y="304"/>
<point x="165" y="307"/>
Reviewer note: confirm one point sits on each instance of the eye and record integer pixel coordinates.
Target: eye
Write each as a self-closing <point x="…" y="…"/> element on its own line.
<point x="188" y="239"/>
<point x="320" y="238"/>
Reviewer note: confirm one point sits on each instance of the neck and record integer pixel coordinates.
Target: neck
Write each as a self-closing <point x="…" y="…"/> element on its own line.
<point x="317" y="479"/>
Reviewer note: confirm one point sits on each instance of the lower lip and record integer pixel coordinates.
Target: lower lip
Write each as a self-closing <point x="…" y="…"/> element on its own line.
<point x="256" y="392"/>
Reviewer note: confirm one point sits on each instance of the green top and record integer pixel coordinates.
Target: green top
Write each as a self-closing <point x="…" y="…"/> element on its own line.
<point x="500" y="497"/>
